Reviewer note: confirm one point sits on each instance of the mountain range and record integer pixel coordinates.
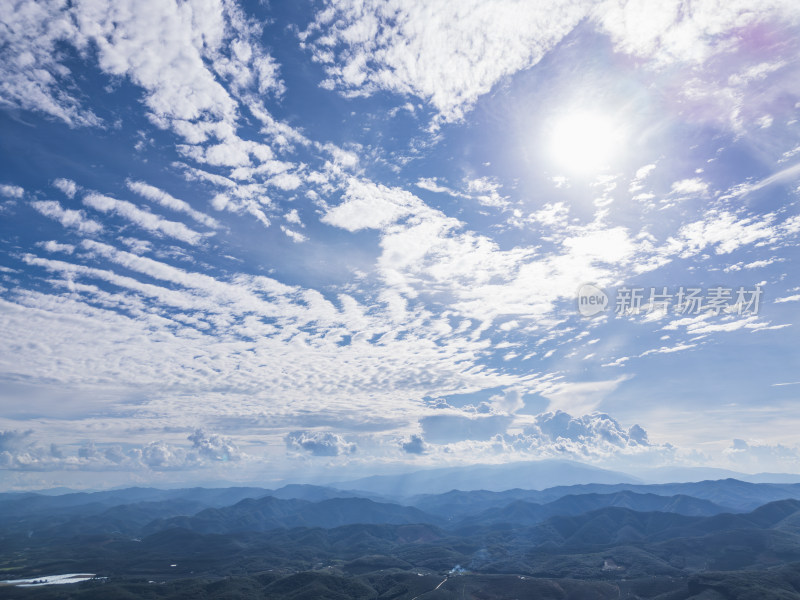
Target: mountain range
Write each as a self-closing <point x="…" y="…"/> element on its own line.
<point x="705" y="540"/>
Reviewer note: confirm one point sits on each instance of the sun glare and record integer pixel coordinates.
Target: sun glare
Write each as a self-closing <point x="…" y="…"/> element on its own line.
<point x="585" y="142"/>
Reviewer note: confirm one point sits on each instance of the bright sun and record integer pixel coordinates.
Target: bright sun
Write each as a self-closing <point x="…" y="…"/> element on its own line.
<point x="585" y="142"/>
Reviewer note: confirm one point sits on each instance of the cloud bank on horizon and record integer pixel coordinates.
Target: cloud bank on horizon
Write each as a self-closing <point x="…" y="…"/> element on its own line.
<point x="244" y="242"/>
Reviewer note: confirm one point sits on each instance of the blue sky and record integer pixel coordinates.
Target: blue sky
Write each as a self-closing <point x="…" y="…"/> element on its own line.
<point x="250" y="241"/>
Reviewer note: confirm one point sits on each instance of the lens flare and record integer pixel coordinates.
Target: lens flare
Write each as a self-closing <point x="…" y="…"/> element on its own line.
<point x="584" y="142"/>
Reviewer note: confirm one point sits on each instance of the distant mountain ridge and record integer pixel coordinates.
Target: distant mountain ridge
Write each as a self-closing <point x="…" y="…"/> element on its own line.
<point x="529" y="475"/>
<point x="732" y="494"/>
<point x="265" y="514"/>
<point x="520" y="512"/>
<point x="326" y="544"/>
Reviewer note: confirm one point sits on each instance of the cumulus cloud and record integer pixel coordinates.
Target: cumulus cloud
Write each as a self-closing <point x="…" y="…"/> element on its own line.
<point x="592" y="437"/>
<point x="293" y="217"/>
<point x="214" y="446"/>
<point x="68" y="187"/>
<point x="595" y="437"/>
<point x="20" y="451"/>
<point x="11" y="191"/>
<point x="553" y="426"/>
<point x="319" y="443"/>
<point x="415" y="445"/>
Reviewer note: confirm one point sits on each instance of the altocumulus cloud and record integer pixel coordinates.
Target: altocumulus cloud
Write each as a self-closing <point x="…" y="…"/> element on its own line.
<point x="416" y="445"/>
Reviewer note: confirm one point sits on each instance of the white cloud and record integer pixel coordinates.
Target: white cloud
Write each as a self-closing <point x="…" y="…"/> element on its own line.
<point x="371" y="206"/>
<point x="724" y="231"/>
<point x="319" y="443"/>
<point x="67" y="217"/>
<point x="425" y="252"/>
<point x="293" y="217"/>
<point x="20" y="450"/>
<point x="703" y="324"/>
<point x="54" y="246"/>
<point x="551" y="214"/>
<point x="669" y="32"/>
<point x="448" y="54"/>
<point x="485" y="191"/>
<point x="161" y="197"/>
<point x="430" y="184"/>
<point x="595" y="437"/>
<point x="645" y="171"/>
<point x="161" y="46"/>
<point x="689" y="187"/>
<point x="293" y="235"/>
<point x="252" y="333"/>
<point x="142" y="218"/>
<point x="286" y="181"/>
<point x="722" y="78"/>
<point x="764" y="122"/>
<point x="67" y="187"/>
<point x="236" y="198"/>
<point x="214" y="446"/>
<point x="31" y="71"/>
<point x="642" y="173"/>
<point x="786" y="174"/>
<point x="165" y="47"/>
<point x="11" y="191"/>
<point x="669" y="349"/>
<point x="580" y="397"/>
<point x="587" y="428"/>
